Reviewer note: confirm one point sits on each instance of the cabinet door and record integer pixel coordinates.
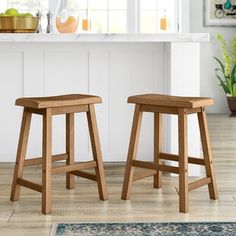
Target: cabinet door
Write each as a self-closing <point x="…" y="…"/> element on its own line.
<point x="11" y="87"/>
<point x="131" y="73"/>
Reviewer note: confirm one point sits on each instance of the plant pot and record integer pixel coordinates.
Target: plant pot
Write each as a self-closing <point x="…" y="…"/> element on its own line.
<point x="232" y="105"/>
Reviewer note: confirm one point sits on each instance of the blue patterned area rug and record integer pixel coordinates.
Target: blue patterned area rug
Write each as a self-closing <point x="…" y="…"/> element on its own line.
<point x="145" y="229"/>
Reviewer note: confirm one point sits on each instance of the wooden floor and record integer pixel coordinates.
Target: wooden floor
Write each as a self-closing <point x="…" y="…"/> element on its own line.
<point x="147" y="204"/>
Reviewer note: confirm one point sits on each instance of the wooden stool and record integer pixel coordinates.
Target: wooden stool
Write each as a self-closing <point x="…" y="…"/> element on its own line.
<point x="47" y="107"/>
<point x="181" y="106"/>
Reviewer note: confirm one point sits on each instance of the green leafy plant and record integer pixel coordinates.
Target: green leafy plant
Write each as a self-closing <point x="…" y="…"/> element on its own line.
<point x="226" y="73"/>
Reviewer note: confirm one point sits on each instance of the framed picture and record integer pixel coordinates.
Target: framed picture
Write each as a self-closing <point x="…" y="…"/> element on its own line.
<point x="219" y="12"/>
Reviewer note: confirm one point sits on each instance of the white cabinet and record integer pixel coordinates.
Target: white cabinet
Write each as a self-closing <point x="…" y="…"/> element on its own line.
<point x="112" y="70"/>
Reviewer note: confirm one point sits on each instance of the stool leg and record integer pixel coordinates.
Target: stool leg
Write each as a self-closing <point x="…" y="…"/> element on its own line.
<point x="21" y="152"/>
<point x="212" y="188"/>
<point x="47" y="162"/>
<point x="97" y="153"/>
<point x="183" y="162"/>
<point x="70" y="148"/>
<point x="157" y="147"/>
<point x="132" y="153"/>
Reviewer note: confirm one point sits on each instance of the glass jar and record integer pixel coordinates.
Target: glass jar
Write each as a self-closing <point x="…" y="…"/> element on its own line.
<point x="86" y="22"/>
<point x="67" y="19"/>
<point x="163" y="21"/>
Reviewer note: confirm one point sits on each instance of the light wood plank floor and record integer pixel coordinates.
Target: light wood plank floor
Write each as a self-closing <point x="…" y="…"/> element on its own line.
<point x="147" y="204"/>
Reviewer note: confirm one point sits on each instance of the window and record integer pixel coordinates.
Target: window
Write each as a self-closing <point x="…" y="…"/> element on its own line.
<point x="113" y="16"/>
<point x="31" y="6"/>
<point x="157" y="16"/>
<point x="26" y="5"/>
<point x="105" y="15"/>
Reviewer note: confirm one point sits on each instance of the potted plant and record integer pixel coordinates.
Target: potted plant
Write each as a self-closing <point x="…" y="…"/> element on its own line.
<point x="226" y="72"/>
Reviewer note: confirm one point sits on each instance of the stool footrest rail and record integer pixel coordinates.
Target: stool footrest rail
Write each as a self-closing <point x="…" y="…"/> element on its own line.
<point x="84" y="175"/>
<point x="157" y="167"/>
<point x="197" y="184"/>
<point x="80" y="166"/>
<point x="38" y="160"/>
<point x="191" y="160"/>
<point x="29" y="184"/>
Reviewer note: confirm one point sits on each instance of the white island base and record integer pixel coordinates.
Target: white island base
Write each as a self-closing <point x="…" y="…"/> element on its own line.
<point x="111" y="66"/>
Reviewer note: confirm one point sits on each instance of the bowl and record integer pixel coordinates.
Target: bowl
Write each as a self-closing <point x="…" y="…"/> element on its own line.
<point x="18" y="24"/>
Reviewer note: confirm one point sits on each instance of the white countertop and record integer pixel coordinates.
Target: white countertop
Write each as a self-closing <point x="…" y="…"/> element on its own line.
<point x="197" y="37"/>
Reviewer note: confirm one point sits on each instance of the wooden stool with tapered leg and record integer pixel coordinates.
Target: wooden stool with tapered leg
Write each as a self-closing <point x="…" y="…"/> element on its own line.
<point x="180" y="106"/>
<point x="47" y="107"/>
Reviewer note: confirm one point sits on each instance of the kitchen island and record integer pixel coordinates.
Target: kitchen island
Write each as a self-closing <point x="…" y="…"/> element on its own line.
<point x="113" y="66"/>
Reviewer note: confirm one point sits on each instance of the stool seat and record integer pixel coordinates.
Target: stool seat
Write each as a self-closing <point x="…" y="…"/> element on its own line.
<point x="58" y="101"/>
<point x="170" y="101"/>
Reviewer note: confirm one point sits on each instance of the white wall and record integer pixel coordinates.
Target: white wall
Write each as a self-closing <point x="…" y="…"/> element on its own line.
<point x="209" y="84"/>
